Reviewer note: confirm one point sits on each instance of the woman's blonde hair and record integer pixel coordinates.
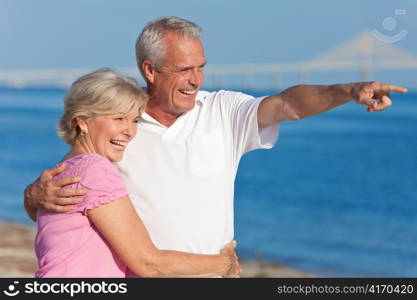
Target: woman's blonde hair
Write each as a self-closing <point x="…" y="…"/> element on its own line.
<point x="102" y="92"/>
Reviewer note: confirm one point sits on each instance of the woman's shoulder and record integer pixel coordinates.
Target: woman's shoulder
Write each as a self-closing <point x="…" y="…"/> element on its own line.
<point x="81" y="164"/>
<point x="88" y="159"/>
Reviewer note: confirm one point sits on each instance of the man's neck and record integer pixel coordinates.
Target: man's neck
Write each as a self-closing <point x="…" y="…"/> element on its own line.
<point x="162" y="117"/>
<point x="157" y="110"/>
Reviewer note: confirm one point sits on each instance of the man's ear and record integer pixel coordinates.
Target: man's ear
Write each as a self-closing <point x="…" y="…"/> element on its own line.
<point x="148" y="71"/>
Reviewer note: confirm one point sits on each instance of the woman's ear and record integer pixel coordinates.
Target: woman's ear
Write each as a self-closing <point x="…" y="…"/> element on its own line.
<point x="148" y="71"/>
<point x="82" y="124"/>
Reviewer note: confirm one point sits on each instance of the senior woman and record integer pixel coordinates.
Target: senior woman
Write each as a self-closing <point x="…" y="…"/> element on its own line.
<point x="103" y="236"/>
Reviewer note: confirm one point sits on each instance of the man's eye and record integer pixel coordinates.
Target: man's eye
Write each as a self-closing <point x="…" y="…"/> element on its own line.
<point x="119" y="119"/>
<point x="183" y="71"/>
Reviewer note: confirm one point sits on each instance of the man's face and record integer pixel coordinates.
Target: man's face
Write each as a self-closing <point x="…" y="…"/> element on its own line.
<point x="176" y="83"/>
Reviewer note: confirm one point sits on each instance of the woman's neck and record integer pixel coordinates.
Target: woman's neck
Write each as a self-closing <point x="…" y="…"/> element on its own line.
<point x="77" y="149"/>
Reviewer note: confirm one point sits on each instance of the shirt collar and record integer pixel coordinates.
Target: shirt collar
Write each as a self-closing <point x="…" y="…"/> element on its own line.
<point x="201" y="96"/>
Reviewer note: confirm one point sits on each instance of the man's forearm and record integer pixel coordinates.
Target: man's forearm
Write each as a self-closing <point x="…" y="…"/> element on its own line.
<point x="307" y="100"/>
<point x="301" y="101"/>
<point x="175" y="263"/>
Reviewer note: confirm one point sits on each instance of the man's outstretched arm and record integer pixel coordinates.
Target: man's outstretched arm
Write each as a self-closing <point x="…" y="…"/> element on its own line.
<point x="301" y="101"/>
<point x="48" y="193"/>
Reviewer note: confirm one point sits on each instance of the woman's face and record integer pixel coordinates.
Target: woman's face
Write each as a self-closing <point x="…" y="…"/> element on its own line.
<point x="108" y="135"/>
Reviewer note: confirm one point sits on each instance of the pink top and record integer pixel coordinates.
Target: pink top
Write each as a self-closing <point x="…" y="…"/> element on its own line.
<point x="68" y="244"/>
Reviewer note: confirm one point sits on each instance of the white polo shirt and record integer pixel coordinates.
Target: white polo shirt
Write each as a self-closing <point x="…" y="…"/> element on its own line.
<point x="181" y="178"/>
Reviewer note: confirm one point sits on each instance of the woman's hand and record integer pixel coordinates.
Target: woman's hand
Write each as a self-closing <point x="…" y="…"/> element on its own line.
<point x="229" y="251"/>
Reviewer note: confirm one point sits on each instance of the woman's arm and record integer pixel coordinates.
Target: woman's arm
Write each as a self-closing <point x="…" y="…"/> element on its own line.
<point x="49" y="194"/>
<point x="124" y="230"/>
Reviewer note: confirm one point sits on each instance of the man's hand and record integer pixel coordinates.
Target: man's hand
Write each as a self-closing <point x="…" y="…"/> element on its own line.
<point x="234" y="269"/>
<point x="375" y="94"/>
<point x="48" y="194"/>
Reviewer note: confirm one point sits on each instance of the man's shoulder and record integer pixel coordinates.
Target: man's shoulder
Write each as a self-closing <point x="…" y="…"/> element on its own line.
<point x="206" y="96"/>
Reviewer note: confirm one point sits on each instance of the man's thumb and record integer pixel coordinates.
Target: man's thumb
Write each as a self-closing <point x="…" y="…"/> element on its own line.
<point x="58" y="169"/>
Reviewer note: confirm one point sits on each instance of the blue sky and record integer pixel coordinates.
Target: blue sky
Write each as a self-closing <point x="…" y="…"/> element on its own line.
<point x="97" y="33"/>
<point x="101" y="33"/>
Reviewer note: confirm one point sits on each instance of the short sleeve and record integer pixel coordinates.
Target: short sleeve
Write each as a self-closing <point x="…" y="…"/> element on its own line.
<point x="103" y="183"/>
<point x="243" y="114"/>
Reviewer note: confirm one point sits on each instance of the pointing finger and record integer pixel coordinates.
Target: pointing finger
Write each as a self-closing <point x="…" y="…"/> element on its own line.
<point x="393" y="88"/>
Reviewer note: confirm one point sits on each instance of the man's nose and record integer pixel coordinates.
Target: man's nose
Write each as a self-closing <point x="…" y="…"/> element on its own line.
<point x="197" y="77"/>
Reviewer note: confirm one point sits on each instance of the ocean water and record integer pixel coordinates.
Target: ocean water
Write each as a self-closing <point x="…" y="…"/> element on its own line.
<point x="337" y="195"/>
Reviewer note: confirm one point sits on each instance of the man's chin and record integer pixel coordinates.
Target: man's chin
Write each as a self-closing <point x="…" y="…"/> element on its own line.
<point x="187" y="106"/>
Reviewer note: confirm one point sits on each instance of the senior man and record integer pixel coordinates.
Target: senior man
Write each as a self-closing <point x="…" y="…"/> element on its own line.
<point x="180" y="168"/>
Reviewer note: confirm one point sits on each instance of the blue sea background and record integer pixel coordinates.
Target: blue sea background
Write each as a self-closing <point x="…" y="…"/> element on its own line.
<point x="337" y="195"/>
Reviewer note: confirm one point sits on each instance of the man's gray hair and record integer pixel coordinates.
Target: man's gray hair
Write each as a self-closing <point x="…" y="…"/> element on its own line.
<point x="149" y="45"/>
